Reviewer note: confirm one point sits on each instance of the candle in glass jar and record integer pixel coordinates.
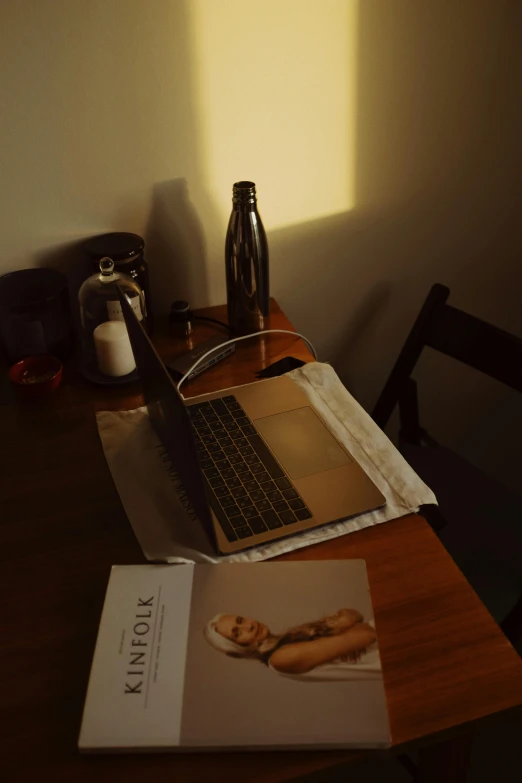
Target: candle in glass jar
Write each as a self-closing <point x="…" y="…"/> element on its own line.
<point x="113" y="349"/>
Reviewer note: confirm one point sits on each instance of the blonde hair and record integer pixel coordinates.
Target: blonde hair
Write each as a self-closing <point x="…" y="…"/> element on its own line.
<point x="227" y="646"/>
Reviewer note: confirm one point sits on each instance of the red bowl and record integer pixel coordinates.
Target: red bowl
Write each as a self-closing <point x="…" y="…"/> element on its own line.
<point x="35" y="376"/>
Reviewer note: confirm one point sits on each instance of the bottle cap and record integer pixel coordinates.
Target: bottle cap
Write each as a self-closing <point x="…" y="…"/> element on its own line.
<point x="244" y="192"/>
<point x="180" y="311"/>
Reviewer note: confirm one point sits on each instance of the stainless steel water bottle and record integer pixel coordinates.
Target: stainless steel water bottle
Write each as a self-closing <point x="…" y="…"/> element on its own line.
<point x="246" y="262"/>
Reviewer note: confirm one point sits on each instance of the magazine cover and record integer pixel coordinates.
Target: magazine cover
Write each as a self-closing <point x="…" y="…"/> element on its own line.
<point x="246" y="656"/>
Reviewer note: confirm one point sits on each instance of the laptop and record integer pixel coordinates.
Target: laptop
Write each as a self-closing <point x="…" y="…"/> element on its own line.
<point x="257" y="461"/>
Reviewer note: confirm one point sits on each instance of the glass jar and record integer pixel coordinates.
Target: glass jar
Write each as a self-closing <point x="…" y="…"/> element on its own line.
<point x="127" y="251"/>
<point x="106" y="352"/>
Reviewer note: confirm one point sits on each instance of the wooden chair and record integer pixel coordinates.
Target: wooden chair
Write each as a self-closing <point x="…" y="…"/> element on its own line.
<point x="484" y="530"/>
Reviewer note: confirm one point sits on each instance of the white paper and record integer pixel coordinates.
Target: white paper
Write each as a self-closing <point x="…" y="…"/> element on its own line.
<point x="154" y="500"/>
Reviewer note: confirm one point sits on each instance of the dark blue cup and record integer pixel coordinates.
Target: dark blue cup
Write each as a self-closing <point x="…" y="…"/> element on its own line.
<point x="35" y="314"/>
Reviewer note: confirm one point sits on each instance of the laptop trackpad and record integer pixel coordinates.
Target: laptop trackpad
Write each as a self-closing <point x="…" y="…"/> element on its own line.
<point x="301" y="442"/>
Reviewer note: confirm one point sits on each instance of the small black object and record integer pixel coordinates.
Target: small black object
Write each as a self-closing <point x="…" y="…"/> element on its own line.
<point x="180" y="319"/>
<point x="280" y="367"/>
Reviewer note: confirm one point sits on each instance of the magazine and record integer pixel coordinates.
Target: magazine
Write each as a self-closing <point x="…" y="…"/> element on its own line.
<point x="240" y="656"/>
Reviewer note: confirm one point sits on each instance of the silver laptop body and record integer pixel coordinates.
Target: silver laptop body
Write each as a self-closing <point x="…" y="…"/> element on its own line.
<point x="257" y="461"/>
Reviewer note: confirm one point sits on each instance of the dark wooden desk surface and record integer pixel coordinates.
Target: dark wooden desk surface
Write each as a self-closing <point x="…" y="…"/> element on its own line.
<point x="445" y="661"/>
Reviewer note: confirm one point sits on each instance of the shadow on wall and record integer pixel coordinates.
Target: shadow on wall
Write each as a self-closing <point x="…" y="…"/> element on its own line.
<point x="439" y="163"/>
<point x="437" y="194"/>
<point x="175" y="250"/>
<point x="438" y="179"/>
<point x="176" y="246"/>
<point x="335" y="290"/>
<point x="71" y="259"/>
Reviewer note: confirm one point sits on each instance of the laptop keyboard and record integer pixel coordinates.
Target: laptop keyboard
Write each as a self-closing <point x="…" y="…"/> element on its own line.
<point x="248" y="490"/>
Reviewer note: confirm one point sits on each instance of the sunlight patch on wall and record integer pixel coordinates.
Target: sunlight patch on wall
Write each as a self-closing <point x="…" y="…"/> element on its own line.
<point x="275" y="103"/>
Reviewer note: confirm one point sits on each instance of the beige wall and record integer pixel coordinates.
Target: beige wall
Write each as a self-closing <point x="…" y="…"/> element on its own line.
<point x="140" y="114"/>
<point x="384" y="138"/>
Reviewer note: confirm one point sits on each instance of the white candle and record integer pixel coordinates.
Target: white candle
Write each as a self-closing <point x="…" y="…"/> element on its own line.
<point x="113" y="349"/>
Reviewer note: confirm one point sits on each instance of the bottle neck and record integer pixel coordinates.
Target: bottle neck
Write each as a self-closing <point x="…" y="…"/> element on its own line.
<point x="244" y="197"/>
<point x="244" y="208"/>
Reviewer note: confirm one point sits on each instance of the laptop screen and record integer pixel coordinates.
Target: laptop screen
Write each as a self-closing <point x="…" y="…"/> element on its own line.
<point x="168" y="414"/>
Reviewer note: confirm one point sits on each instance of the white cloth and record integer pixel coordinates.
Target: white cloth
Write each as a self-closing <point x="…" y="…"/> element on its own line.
<point x="156" y="505"/>
<point x="368" y="667"/>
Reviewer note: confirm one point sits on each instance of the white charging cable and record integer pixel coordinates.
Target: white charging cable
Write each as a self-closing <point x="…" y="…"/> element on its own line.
<point x="245" y="337"/>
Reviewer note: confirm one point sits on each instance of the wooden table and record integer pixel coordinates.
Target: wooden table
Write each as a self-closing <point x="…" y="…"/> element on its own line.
<point x="445" y="661"/>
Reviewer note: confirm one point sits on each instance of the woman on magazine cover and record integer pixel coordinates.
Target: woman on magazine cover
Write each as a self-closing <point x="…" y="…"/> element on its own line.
<point x="339" y="647"/>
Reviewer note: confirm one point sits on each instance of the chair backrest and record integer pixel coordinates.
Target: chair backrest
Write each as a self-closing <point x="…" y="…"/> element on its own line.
<point x="459" y="335"/>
